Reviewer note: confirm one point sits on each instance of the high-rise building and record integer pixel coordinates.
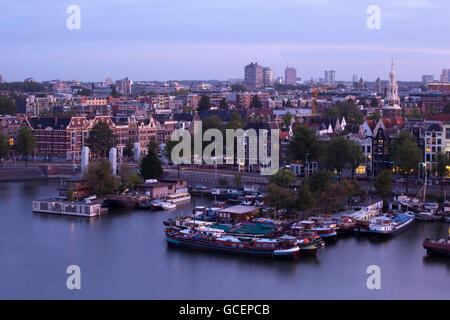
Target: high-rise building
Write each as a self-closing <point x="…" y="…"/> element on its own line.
<point x="125" y="86"/>
<point x="268" y="77"/>
<point x="330" y="76"/>
<point x="355" y="78"/>
<point x="254" y="75"/>
<point x="445" y="76"/>
<point x="108" y="81"/>
<point x="378" y="84"/>
<point x="427" y="78"/>
<point x="1" y="79"/>
<point x="290" y="76"/>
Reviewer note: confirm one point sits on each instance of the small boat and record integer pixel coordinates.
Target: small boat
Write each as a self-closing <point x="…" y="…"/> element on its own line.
<point x="427" y="216"/>
<point x="438" y="246"/>
<point x="178" y="197"/>
<point x="168" y="206"/>
<point x="385" y="225"/>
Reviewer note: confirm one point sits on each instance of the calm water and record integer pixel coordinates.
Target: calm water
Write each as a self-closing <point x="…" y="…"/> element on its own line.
<point x="125" y="256"/>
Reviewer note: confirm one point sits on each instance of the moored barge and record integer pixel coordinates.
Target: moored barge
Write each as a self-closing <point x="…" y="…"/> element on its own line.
<point x="216" y="240"/>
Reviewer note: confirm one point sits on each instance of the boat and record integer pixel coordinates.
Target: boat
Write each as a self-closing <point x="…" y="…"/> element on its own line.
<point x="386" y="225"/>
<point x="346" y="225"/>
<point x="178" y="197"/>
<point x="204" y="238"/>
<point x="71" y="208"/>
<point x="438" y="246"/>
<point x="427" y="216"/>
<point x="168" y="206"/>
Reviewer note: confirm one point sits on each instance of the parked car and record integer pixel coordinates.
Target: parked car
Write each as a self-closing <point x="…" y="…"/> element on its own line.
<point x="200" y="186"/>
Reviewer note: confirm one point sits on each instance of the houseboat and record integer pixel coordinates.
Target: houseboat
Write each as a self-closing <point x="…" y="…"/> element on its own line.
<point x="63" y="207"/>
<point x="385" y="225"/>
<point x="438" y="246"/>
<point x="203" y="238"/>
<point x="178" y="197"/>
<point x="427" y="216"/>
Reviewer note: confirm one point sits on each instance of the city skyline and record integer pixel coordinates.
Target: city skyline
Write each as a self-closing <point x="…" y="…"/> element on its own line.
<point x="208" y="40"/>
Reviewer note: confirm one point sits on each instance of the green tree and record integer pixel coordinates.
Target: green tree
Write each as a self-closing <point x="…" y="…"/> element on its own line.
<point x="305" y="198"/>
<point x="280" y="197"/>
<point x="26" y="142"/>
<point x="223" y="182"/>
<point x="350" y="111"/>
<point x="332" y="113"/>
<point x="223" y="105"/>
<point x="375" y="115"/>
<point x="204" y="104"/>
<point x="69" y="195"/>
<point x="7" y="106"/>
<point x="101" y="139"/>
<point x="304" y="144"/>
<point x="287" y="119"/>
<point x="151" y="165"/>
<point x="235" y="121"/>
<point x="383" y="184"/>
<point x="128" y="150"/>
<point x="238" y="180"/>
<point x="255" y="103"/>
<point x="283" y="178"/>
<point x="128" y="179"/>
<point x="100" y="177"/>
<point x="319" y="181"/>
<point x="337" y="154"/>
<point x="406" y="155"/>
<point x="4" y="147"/>
<point x="442" y="167"/>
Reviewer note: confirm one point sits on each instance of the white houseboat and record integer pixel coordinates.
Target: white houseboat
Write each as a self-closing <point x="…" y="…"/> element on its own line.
<point x="63" y="207"/>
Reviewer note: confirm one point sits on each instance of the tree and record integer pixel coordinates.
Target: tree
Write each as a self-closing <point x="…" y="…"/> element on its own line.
<point x="305" y="198"/>
<point x="255" y="103"/>
<point x="204" y="104"/>
<point x="4" y="147"/>
<point x="170" y="144"/>
<point x="280" y="197"/>
<point x="406" y="155"/>
<point x="235" y="121"/>
<point x="374" y="103"/>
<point x="69" y="195"/>
<point x="26" y="142"/>
<point x="238" y="180"/>
<point x="128" y="151"/>
<point x="304" y="144"/>
<point x="350" y="111"/>
<point x="355" y="156"/>
<point x="223" y="182"/>
<point x="223" y="105"/>
<point x="375" y="115"/>
<point x="7" y="106"/>
<point x="319" y="181"/>
<point x="128" y="179"/>
<point x="150" y="165"/>
<point x="442" y="167"/>
<point x="338" y="154"/>
<point x="283" y="178"/>
<point x="100" y="177"/>
<point x="101" y="139"/>
<point x="383" y="184"/>
<point x="287" y="119"/>
<point x="332" y="113"/>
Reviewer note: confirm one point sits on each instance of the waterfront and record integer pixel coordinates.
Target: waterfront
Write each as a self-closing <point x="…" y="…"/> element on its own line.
<point x="125" y="256"/>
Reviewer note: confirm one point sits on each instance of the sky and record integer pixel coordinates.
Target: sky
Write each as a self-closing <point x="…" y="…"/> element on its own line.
<point x="215" y="39"/>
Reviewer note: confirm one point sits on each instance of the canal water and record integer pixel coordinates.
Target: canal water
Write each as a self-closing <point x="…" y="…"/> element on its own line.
<point x="124" y="255"/>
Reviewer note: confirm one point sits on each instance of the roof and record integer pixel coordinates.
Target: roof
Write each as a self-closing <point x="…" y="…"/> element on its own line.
<point x="54" y="122"/>
<point x="224" y="115"/>
<point x="239" y="209"/>
<point x="438" y="117"/>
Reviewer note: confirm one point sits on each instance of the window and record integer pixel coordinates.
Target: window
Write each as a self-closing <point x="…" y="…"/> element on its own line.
<point x="447" y="133"/>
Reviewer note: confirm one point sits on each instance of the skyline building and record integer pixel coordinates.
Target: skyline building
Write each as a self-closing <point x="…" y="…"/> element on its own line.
<point x="330" y="76"/>
<point x="427" y="78"/>
<point x="254" y="75"/>
<point x="268" y="76"/>
<point x="445" y="76"/>
<point x="290" y="76"/>
<point x="391" y="106"/>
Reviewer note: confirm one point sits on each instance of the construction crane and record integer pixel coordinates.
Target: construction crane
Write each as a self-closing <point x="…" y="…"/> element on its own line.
<point x="315" y="90"/>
